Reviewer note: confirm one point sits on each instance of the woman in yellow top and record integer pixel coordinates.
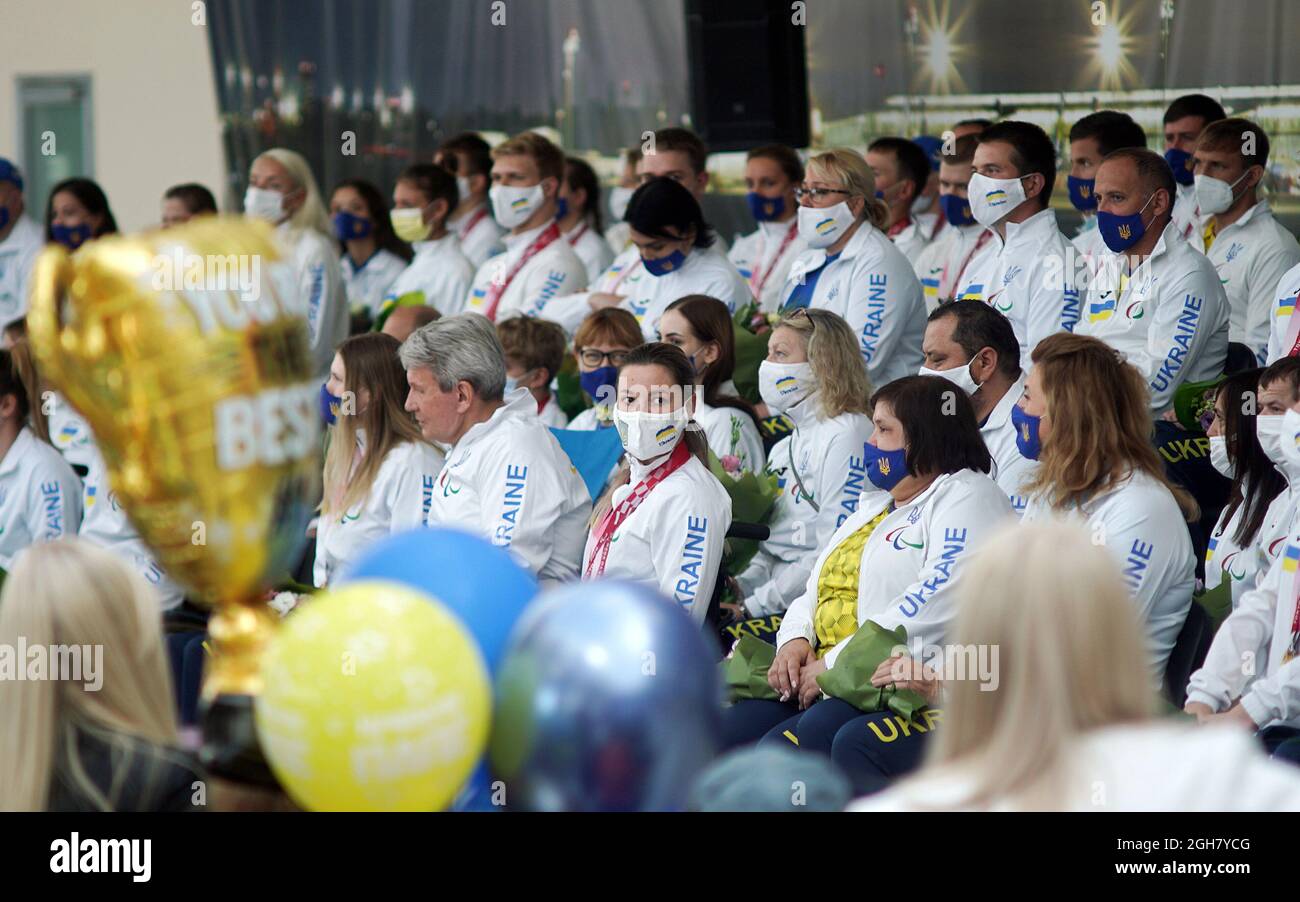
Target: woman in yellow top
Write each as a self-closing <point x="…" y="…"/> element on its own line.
<point x="893" y="562"/>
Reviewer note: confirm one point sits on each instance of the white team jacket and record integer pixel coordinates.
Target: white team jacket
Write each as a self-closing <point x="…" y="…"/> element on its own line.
<point x="874" y="288"/>
<point x="1245" y="659"/>
<point x="40" y="496"/>
<point x="1285" y="327"/>
<point x="1170" y="321"/>
<point x="480" y="242"/>
<point x="1252" y="255"/>
<point x="509" y="481"/>
<point x="706" y="271"/>
<point x="1029" y="277"/>
<point x="829" y="457"/>
<point x="70" y="434"/>
<point x="553" y="272"/>
<point x="17" y="257"/>
<point x="911" y="561"/>
<point x="673" y="541"/>
<point x="104" y="523"/>
<point x="368" y="285"/>
<point x="440" y="274"/>
<point x="731" y="432"/>
<point x="591" y="248"/>
<point x="1225" y="559"/>
<point x="752" y="254"/>
<point x="319" y="284"/>
<point x="1143" y="529"/>
<point x="1012" y="470"/>
<point x="399" y="500"/>
<point x="912" y="241"/>
<point x="940" y="264"/>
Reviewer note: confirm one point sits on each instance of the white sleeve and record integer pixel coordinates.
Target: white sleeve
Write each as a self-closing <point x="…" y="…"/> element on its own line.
<point x="879" y="306"/>
<point x="406" y="492"/>
<point x="1284" y="300"/>
<point x="1240" y="647"/>
<point x="522" y="499"/>
<point x="688" y="539"/>
<point x="54" y="504"/>
<point x="1265" y="274"/>
<point x="1276" y="696"/>
<point x="797" y="623"/>
<point x="564" y="276"/>
<point x="1178" y="335"/>
<point x="1052" y="308"/>
<point x="568" y="311"/>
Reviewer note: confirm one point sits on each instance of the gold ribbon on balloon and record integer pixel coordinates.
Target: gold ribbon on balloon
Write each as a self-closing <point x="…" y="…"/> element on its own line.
<point x="186" y="350"/>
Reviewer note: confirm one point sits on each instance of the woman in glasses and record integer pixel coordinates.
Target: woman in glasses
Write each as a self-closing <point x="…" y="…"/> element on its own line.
<point x="853" y="269"/>
<point x="600" y="345"/>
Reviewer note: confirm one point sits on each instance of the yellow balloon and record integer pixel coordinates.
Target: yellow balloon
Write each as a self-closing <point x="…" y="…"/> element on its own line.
<point x="376" y="699"/>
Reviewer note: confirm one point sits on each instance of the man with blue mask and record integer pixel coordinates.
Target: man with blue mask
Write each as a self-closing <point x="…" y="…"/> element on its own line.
<point x="941" y="265"/>
<point x="901" y="170"/>
<point x="21" y="240"/>
<point x="1153" y="298"/>
<point x="764" y="257"/>
<point x="1092" y="139"/>
<point x="1237" y="231"/>
<point x="1184" y="121"/>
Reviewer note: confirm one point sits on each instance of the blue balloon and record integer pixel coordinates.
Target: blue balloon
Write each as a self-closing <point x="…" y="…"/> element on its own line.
<point x="609" y="699"/>
<point x="482" y="584"/>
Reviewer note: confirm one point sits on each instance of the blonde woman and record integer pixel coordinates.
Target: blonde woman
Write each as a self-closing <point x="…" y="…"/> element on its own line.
<point x="853" y="269"/>
<point x="99" y="735"/>
<point x="1085" y="417"/>
<point x="283" y="192"/>
<point x="815" y="376"/>
<point x="379" y="471"/>
<point x="1070" y="728"/>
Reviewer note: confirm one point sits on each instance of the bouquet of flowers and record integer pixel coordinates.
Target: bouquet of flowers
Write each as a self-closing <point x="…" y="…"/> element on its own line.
<point x="753" y="498"/>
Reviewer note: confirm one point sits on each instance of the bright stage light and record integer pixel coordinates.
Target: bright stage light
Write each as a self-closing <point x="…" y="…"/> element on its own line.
<point x="1108" y="49"/>
<point x="939" y="50"/>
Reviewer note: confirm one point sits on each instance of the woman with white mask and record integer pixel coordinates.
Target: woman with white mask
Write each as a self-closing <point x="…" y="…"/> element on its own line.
<point x="664" y="518"/>
<point x="814" y="374"/>
<point x="1278" y="392"/>
<point x="283" y="192"/>
<point x="1236" y="453"/>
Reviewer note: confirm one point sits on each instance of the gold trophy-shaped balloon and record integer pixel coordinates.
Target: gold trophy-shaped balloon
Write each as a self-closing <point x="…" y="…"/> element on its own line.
<point x="187" y="352"/>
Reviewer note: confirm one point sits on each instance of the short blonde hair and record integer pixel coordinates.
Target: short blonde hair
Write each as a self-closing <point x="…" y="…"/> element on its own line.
<point x="842" y="382"/>
<point x="848" y="169"/>
<point x="548" y="157"/>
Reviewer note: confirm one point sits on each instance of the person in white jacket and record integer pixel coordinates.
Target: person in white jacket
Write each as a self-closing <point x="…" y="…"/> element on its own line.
<point x="1028" y="271"/>
<point x="1251" y="250"/>
<point x="852" y="269"/>
<point x="40" y="496"/>
<point x="663" y="520"/>
<point x="537" y="264"/>
<point x="283" y="192"/>
<point x="701" y="326"/>
<point x="506" y="477"/>
<point x="1097" y="466"/>
<point x="580" y="217"/>
<point x="1232" y="554"/>
<point x="902" y="171"/>
<point x="815" y="376"/>
<point x="894" y="562"/>
<point x="20" y="241"/>
<point x="534" y="350"/>
<point x="372" y="256"/>
<point x="1052" y="604"/>
<point x="1278" y="391"/>
<point x="764" y="257"/>
<point x="1092" y="139"/>
<point x="379" y="472"/>
<point x="439" y="275"/>
<point x="944" y="261"/>
<point x="974" y="347"/>
<point x="1153" y="298"/>
<point x="1284" y="331"/>
<point x="469" y="159"/>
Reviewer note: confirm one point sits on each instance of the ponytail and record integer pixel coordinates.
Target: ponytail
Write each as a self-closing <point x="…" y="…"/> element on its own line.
<point x="18" y="378"/>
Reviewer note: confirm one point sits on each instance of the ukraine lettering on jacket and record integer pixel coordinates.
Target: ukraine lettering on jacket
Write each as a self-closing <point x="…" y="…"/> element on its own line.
<point x="1139" y="556"/>
<point x="1071" y="308"/>
<point x="852" y="488"/>
<point x="511" y="504"/>
<point x="876" y="283"/>
<point x="427" y="498"/>
<point x="697" y="530"/>
<point x="1186" y="331"/>
<point x="51" y="498"/>
<point x="954" y="543"/>
<point x="552" y="287"/>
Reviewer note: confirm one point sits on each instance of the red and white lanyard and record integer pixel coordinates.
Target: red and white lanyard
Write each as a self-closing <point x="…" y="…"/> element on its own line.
<point x="983" y="240"/>
<point x="756" y="282"/>
<point x="898" y="227"/>
<point x="479" y="215"/>
<point x="615" y="516"/>
<point x="577" y="236"/>
<point x="498" y="288"/>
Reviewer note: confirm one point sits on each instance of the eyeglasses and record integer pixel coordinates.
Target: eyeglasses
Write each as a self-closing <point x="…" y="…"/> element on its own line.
<point x="594" y="358"/>
<point x="817" y="193"/>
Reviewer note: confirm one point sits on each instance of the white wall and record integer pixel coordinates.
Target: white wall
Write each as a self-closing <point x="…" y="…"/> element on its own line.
<point x="154" y="120"/>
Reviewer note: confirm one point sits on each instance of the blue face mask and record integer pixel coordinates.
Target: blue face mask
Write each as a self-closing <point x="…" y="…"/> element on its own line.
<point x="329" y="406"/>
<point x="1027" y="441"/>
<point x="595" y="382"/>
<point x="1082" y="193"/>
<point x="765" y="209"/>
<point x="1121" y="232"/>
<point x="71" y="237"/>
<point x="662" y="266"/>
<point x="561" y="207"/>
<point x="956" y="209"/>
<point x="348" y="227"/>
<point x="4" y="218"/>
<point x="885" y="469"/>
<point x="1178" y="160"/>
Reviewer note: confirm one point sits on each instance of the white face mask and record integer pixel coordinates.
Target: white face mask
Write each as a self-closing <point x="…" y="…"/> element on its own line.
<point x="646" y="436"/>
<point x="512" y="207"/>
<point x="1268" y="429"/>
<point x="462" y="187"/>
<point x="1219" y="456"/>
<point x="260" y="203"/>
<point x="959" y="376"/>
<point x="1213" y="195"/>
<point x="618" y="200"/>
<point x="821" y="227"/>
<point x="992" y="199"/>
<point x="1289" y="440"/>
<point x="783" y="385"/>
